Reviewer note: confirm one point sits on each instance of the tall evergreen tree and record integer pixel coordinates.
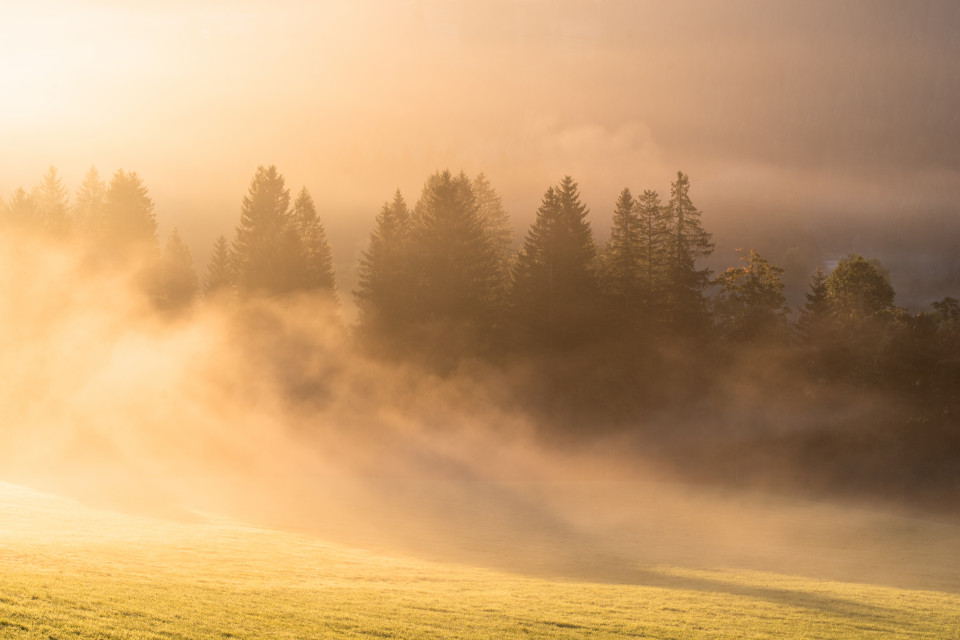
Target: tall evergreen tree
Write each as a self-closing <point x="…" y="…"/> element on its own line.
<point x="689" y="241"/>
<point x="654" y="241"/>
<point x="555" y="287"/>
<point x="220" y="275"/>
<point x="621" y="277"/>
<point x="454" y="262"/>
<point x="815" y="314"/>
<point x="386" y="282"/>
<point x="21" y="211"/>
<point x="51" y="200"/>
<point x="89" y="204"/>
<point x="496" y="226"/>
<point x="318" y="274"/>
<point x="177" y="283"/>
<point x="268" y="256"/>
<point x="129" y="224"/>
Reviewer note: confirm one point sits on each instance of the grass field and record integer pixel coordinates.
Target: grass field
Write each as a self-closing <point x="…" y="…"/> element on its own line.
<point x="70" y="571"/>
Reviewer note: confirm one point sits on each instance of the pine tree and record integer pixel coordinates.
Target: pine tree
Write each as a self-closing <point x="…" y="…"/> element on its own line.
<point x="555" y="288"/>
<point x="177" y="281"/>
<point x="129" y="224"/>
<point x="268" y="256"/>
<point x="385" y="271"/>
<point x="89" y="203"/>
<point x="318" y="261"/>
<point x="688" y="242"/>
<point x="50" y="197"/>
<point x="454" y="263"/>
<point x="220" y="276"/>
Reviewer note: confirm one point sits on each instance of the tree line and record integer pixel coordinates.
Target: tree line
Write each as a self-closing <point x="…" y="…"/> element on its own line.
<point x="612" y="336"/>
<point x="445" y="274"/>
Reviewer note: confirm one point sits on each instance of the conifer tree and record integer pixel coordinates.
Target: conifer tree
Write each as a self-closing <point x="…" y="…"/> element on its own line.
<point x="497" y="227"/>
<point x="21" y="211"/>
<point x="621" y="276"/>
<point x="318" y="274"/>
<point x="89" y="203"/>
<point x="177" y="280"/>
<point x="555" y="288"/>
<point x="454" y="263"/>
<point x="654" y="248"/>
<point x="815" y="313"/>
<point x="385" y="271"/>
<point x="220" y="276"/>
<point x="129" y="224"/>
<point x="268" y="256"/>
<point x="51" y="200"/>
<point x="688" y="242"/>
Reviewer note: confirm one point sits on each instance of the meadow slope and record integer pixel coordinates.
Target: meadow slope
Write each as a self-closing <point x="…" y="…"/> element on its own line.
<point x="71" y="571"/>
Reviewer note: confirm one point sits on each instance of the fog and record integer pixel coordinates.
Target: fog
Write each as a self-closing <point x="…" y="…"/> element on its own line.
<point x="264" y="412"/>
<point x="810" y="131"/>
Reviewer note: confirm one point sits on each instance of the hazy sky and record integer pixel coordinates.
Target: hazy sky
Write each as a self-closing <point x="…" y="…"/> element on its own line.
<point x="781" y="112"/>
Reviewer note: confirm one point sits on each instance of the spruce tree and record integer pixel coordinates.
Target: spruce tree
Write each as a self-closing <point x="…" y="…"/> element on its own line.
<point x="496" y="226"/>
<point x="89" y="203"/>
<point x="51" y="200"/>
<point x="815" y="313"/>
<point x="385" y="271"/>
<point x="555" y="289"/>
<point x="454" y="263"/>
<point x="21" y="211"/>
<point x="177" y="281"/>
<point x="268" y="256"/>
<point x="688" y="242"/>
<point x="220" y="276"/>
<point x="129" y="224"/>
<point x="621" y="275"/>
<point x="318" y="274"/>
<point x="654" y="249"/>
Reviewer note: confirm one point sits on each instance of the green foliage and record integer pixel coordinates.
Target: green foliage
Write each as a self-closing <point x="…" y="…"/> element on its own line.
<point x="815" y="314"/>
<point x="621" y="273"/>
<point x="750" y="302"/>
<point x="654" y="248"/>
<point x="688" y="242"/>
<point x="858" y="289"/>
<point x="555" y="289"/>
<point x="69" y="572"/>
